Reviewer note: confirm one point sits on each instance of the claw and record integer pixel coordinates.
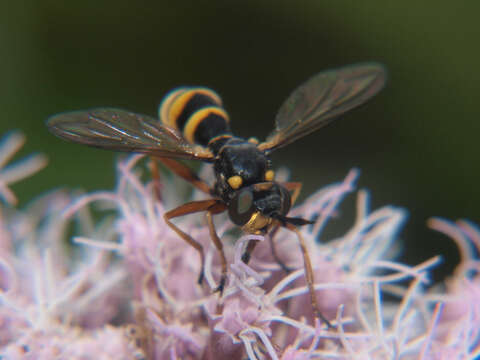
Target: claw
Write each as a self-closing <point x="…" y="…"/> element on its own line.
<point x="220" y="286"/>
<point x="200" y="278"/>
<point x="324" y="319"/>
<point x="246" y="257"/>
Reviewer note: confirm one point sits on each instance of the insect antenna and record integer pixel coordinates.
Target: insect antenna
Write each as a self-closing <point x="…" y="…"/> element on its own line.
<point x="296" y="221"/>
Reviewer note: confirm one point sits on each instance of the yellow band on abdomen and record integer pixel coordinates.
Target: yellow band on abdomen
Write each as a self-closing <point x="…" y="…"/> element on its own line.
<point x="195" y="120"/>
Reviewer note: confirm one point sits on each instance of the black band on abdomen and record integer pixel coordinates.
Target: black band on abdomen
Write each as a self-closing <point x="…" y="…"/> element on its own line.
<point x="196" y="102"/>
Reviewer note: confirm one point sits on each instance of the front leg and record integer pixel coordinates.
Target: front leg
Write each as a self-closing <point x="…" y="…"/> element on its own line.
<point x="213" y="205"/>
<point x="219" y="246"/>
<point x="248" y="251"/>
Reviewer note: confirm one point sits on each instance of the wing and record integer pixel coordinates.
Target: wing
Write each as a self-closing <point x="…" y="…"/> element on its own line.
<point x="120" y="130"/>
<point x="322" y="98"/>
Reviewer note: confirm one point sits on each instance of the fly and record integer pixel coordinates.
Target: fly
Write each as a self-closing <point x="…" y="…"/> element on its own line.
<point x="194" y="125"/>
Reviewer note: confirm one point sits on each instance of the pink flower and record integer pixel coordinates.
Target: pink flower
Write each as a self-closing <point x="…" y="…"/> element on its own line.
<point x="126" y="288"/>
<point x="9" y="145"/>
<point x="457" y="331"/>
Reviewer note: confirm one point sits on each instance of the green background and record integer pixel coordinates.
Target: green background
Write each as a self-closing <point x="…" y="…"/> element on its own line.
<point x="416" y="143"/>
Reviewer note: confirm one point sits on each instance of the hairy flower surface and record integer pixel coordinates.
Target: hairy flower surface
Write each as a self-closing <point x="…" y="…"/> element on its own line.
<point x="9" y="145"/>
<point x="127" y="286"/>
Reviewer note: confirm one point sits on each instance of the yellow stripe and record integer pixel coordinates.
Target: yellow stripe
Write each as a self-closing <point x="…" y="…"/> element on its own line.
<point x="174" y="102"/>
<point x="167" y="102"/>
<point x="176" y="107"/>
<point x="197" y="118"/>
<point x="216" y="138"/>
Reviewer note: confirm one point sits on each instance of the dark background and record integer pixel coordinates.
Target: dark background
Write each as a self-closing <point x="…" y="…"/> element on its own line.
<point x="416" y="143"/>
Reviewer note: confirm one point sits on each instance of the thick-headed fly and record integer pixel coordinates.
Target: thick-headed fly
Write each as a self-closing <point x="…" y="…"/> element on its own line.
<point x="194" y="125"/>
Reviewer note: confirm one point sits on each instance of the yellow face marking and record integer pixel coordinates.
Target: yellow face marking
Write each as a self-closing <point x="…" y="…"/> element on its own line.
<point x="269" y="175"/>
<point x="197" y="118"/>
<point x="235" y="182"/>
<point x="253" y="140"/>
<point x="256" y="223"/>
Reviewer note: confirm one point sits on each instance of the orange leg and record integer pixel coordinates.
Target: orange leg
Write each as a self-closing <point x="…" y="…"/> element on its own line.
<point x="309" y="274"/>
<point x="219" y="246"/>
<point x="248" y="251"/>
<point x="274" y="250"/>
<point x="296" y="187"/>
<point x="212" y="206"/>
<point x="185" y="173"/>
<point x="157" y="184"/>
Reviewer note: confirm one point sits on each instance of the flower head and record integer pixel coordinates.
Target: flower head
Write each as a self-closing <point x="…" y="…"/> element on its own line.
<point x="9" y="145"/>
<point x="127" y="287"/>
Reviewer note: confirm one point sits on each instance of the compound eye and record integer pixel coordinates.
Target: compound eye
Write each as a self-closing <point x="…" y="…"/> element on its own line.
<point x="241" y="207"/>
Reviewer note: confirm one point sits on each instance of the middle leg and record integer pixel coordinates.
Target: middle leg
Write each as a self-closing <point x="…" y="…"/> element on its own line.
<point x="219" y="246"/>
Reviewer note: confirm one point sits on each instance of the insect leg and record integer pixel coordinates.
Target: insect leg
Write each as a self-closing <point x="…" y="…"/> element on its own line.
<point x="157" y="184"/>
<point x="219" y="246"/>
<point x="185" y="173"/>
<point x="185" y="209"/>
<point x="252" y="244"/>
<point x="248" y="251"/>
<point x="273" y="248"/>
<point x="309" y="275"/>
<point x="296" y="187"/>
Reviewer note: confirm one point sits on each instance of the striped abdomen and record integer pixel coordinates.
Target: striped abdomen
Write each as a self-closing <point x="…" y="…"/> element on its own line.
<point x="196" y="112"/>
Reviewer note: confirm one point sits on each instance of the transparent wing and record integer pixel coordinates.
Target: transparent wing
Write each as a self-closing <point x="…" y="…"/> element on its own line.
<point x="120" y="130"/>
<point x="322" y="98"/>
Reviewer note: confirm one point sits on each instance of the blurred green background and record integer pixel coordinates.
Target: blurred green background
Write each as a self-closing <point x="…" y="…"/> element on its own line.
<point x="416" y="143"/>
